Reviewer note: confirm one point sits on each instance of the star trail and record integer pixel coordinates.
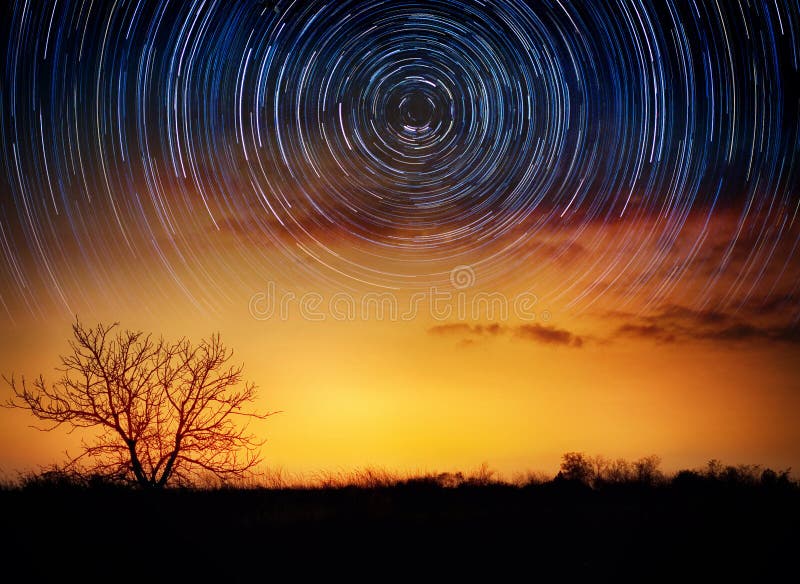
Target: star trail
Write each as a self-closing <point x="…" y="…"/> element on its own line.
<point x="197" y="146"/>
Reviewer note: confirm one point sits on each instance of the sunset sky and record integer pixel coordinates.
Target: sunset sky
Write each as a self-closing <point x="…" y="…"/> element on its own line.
<point x="436" y="233"/>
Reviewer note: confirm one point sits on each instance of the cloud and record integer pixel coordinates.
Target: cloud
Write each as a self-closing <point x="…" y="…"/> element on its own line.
<point x="548" y="335"/>
<point x="775" y="304"/>
<point x="646" y="331"/>
<point x="467" y="329"/>
<point x="681" y="324"/>
<point x="537" y="333"/>
<point x="748" y="332"/>
<point x="710" y="317"/>
<point x="451" y="329"/>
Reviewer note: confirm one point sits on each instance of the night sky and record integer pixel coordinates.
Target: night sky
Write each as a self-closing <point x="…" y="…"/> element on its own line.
<point x="633" y="163"/>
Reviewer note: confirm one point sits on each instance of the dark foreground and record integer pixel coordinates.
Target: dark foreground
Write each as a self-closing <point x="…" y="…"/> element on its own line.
<point x="705" y="530"/>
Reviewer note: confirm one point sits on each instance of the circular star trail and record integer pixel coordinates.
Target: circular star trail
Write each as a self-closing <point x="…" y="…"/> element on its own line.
<point x="201" y="146"/>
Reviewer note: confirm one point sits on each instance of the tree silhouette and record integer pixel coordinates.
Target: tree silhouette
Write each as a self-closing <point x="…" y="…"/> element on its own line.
<point x="167" y="413"/>
<point x="595" y="471"/>
<point x="576" y="466"/>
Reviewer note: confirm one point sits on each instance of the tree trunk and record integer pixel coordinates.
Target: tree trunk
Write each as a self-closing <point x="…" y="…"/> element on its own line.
<point x="138" y="471"/>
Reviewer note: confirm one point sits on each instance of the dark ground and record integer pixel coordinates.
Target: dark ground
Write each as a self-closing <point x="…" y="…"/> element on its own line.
<point x="701" y="530"/>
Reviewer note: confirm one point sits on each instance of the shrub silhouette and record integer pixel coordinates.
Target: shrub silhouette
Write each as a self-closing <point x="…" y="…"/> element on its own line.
<point x="167" y="412"/>
<point x="577" y="467"/>
<point x="595" y="471"/>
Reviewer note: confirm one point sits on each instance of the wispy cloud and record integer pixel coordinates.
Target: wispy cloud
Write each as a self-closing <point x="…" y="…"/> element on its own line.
<point x="536" y="333"/>
<point x="548" y="335"/>
<point x="679" y="324"/>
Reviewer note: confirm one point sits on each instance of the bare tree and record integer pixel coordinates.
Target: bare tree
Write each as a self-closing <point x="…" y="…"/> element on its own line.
<point x="167" y="413"/>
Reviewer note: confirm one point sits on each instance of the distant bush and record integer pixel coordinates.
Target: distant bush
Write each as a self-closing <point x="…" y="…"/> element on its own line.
<point x="61" y="478"/>
<point x="596" y="471"/>
<point x="577" y="468"/>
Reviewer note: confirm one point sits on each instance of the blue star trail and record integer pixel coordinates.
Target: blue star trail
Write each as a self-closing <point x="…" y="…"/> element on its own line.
<point x="385" y="142"/>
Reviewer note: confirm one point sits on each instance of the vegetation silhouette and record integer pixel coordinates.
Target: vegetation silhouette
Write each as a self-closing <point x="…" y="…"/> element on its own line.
<point x="168" y="413"/>
<point x="596" y="520"/>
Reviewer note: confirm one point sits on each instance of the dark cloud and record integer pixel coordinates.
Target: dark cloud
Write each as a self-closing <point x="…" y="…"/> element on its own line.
<point x="775" y="304"/>
<point x="466" y="329"/>
<point x="748" y="332"/>
<point x="537" y="333"/>
<point x="677" y="323"/>
<point x="710" y="317"/>
<point x="646" y="331"/>
<point x="451" y="329"/>
<point x="548" y="334"/>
